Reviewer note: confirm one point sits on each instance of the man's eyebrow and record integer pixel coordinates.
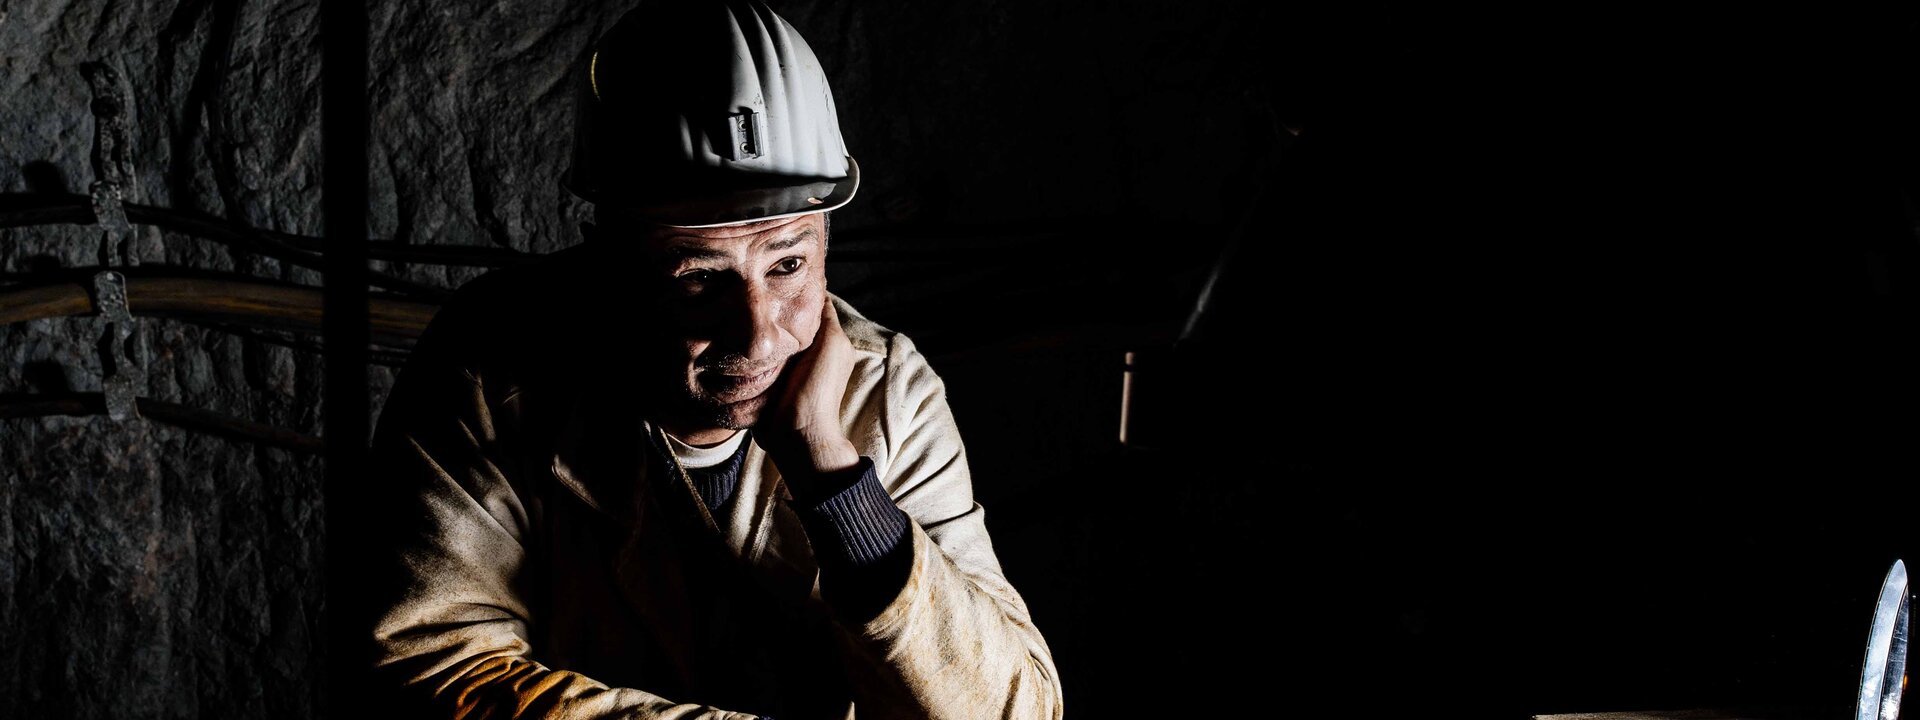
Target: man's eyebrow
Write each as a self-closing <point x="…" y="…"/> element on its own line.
<point x="791" y="240"/>
<point x="693" y="251"/>
<point x="690" y="251"/>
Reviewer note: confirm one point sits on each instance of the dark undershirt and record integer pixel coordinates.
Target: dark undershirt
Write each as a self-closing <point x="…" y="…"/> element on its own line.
<point x="859" y="536"/>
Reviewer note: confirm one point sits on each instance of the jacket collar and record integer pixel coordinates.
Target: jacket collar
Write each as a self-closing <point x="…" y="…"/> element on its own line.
<point x="618" y="465"/>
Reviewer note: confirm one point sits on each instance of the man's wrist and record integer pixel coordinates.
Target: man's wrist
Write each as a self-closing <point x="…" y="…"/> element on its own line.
<point x="850" y="518"/>
<point x="830" y="456"/>
<point x="809" y="488"/>
<point x="861" y="539"/>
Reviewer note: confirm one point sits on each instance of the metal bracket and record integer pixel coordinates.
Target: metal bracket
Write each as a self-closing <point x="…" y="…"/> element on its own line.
<point x="122" y="367"/>
<point x="111" y="216"/>
<point x="121" y="378"/>
<point x="112" y="166"/>
<point x="744" y="132"/>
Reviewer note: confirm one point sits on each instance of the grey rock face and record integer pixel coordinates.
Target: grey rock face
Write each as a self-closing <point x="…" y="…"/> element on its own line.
<point x="151" y="571"/>
<point x="148" y="571"/>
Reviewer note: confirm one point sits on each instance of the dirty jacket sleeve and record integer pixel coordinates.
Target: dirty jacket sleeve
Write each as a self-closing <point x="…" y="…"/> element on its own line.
<point x="957" y="641"/>
<point x="445" y="602"/>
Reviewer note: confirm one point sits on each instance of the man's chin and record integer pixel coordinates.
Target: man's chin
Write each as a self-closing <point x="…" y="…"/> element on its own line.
<point x="693" y="414"/>
<point x="738" y="415"/>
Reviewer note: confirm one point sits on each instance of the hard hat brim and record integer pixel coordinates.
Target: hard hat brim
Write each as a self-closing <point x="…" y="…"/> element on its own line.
<point x="735" y="207"/>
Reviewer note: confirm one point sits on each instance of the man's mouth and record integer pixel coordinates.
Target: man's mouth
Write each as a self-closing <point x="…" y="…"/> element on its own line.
<point x="733" y="388"/>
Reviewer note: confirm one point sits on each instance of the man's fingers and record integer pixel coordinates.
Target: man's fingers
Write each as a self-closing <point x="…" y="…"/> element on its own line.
<point x="830" y="318"/>
<point x="831" y="331"/>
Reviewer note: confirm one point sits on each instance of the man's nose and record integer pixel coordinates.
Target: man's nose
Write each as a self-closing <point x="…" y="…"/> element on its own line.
<point x="751" y="330"/>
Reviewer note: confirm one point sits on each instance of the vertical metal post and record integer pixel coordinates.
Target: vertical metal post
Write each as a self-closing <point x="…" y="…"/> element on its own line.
<point x="343" y="131"/>
<point x="1126" y="397"/>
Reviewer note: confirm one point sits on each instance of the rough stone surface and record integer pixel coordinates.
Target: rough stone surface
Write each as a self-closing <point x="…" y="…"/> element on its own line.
<point x="1514" y="248"/>
<point x="150" y="571"/>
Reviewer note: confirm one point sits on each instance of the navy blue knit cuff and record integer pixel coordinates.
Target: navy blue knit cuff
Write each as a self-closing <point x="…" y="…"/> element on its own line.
<point x="857" y="526"/>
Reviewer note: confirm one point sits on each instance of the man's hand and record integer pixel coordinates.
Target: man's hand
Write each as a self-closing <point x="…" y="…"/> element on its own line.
<point x="802" y="430"/>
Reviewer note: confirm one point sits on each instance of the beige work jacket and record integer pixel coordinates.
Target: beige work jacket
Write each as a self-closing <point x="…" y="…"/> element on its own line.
<point x="525" y="562"/>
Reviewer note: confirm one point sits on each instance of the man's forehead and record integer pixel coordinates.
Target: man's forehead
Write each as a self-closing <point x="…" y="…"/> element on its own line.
<point x="678" y="242"/>
<point x="635" y="226"/>
<point x="732" y="233"/>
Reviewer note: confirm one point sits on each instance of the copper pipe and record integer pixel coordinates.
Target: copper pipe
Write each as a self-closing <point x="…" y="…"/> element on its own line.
<point x="392" y="321"/>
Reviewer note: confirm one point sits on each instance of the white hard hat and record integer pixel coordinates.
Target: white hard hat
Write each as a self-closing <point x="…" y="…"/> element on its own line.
<point x="698" y="113"/>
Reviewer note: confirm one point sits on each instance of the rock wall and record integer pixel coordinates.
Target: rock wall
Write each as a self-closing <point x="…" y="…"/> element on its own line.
<point x="152" y="571"/>
<point x="1563" y="250"/>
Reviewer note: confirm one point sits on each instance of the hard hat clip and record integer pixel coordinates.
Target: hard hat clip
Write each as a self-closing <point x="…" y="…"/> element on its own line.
<point x="744" y="129"/>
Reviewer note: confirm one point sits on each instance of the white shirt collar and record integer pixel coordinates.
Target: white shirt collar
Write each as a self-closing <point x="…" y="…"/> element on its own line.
<point x="704" y="457"/>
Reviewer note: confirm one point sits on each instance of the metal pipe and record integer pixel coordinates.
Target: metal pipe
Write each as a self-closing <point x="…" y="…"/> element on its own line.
<point x="86" y="404"/>
<point x="1126" y="396"/>
<point x="389" y="321"/>
<point x="294" y="249"/>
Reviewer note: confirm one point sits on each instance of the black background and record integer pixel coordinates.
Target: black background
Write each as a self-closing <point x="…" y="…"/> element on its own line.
<point x="1563" y="364"/>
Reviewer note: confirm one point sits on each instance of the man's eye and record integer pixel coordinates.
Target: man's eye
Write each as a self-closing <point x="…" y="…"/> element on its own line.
<point x="788" y="266"/>
<point x="694" y="281"/>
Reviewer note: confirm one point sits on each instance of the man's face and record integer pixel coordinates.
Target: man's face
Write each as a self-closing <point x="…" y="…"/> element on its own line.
<point x="737" y="302"/>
